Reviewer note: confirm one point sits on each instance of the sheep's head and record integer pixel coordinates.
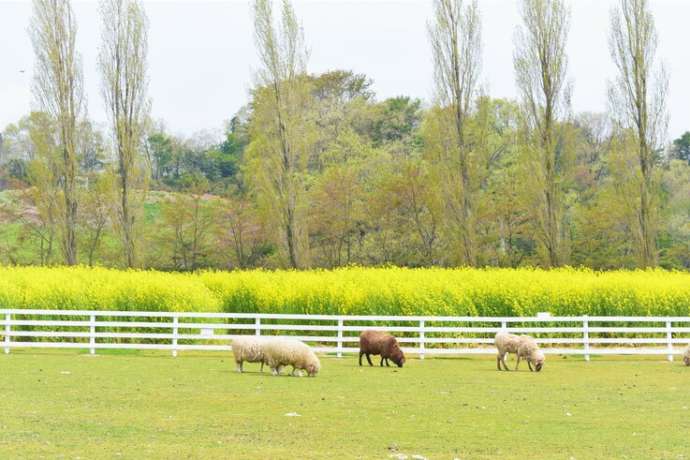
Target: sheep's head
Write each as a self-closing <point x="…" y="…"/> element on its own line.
<point x="313" y="368"/>
<point x="538" y="360"/>
<point x="686" y="360"/>
<point x="398" y="357"/>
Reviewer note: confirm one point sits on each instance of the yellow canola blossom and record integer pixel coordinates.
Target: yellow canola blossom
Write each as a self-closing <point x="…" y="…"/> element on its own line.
<point x="354" y="290"/>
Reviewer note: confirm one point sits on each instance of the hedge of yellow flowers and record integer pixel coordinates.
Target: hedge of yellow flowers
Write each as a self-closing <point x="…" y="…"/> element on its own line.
<point x="355" y="290"/>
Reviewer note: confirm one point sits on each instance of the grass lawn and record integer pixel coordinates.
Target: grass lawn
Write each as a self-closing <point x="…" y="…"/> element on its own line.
<point x="63" y="404"/>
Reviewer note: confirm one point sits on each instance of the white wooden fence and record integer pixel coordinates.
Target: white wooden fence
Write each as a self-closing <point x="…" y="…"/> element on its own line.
<point x="422" y="335"/>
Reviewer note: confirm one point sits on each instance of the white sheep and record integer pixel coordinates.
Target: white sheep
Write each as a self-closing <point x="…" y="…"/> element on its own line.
<point x="283" y="352"/>
<point x="529" y="350"/>
<point x="505" y="343"/>
<point x="686" y="356"/>
<point x="523" y="346"/>
<point x="248" y="348"/>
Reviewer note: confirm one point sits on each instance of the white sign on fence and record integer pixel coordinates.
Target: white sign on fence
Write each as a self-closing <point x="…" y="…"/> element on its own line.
<point x="423" y="335"/>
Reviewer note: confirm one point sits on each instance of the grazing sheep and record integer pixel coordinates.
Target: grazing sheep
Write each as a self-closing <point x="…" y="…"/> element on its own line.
<point x="248" y="348"/>
<point x="523" y="346"/>
<point x="686" y="356"/>
<point x="380" y="343"/>
<point x="505" y="343"/>
<point x="529" y="350"/>
<point x="283" y="352"/>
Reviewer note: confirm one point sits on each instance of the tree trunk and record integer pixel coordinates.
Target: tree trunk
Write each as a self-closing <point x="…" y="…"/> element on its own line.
<point x="127" y="227"/>
<point x="68" y="189"/>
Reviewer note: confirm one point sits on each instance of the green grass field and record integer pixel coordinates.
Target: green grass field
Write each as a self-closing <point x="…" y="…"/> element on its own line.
<point x="63" y="404"/>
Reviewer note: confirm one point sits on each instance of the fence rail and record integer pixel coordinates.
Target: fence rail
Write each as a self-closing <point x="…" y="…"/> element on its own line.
<point x="422" y="335"/>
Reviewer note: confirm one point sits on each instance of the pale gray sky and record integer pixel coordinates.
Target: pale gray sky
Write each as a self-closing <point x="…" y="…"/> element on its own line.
<point x="202" y="53"/>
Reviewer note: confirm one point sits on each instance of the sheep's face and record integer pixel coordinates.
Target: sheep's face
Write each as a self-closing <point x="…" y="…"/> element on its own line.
<point x="398" y="357"/>
<point x="312" y="370"/>
<point x="539" y="362"/>
<point x="686" y="360"/>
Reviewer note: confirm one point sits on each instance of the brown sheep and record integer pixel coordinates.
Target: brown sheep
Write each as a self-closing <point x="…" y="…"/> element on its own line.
<point x="380" y="343"/>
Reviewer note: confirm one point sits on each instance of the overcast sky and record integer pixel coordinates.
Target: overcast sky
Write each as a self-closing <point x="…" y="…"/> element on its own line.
<point x="202" y="55"/>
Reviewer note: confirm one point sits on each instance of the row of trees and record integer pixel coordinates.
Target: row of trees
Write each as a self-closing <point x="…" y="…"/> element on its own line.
<point x="457" y="151"/>
<point x="315" y="171"/>
<point x="57" y="132"/>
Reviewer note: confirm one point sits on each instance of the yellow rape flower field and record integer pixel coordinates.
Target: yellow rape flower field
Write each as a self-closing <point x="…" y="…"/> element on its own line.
<point x="362" y="291"/>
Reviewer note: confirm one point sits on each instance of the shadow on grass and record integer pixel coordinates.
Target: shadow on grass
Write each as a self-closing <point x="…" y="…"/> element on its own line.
<point x="350" y="360"/>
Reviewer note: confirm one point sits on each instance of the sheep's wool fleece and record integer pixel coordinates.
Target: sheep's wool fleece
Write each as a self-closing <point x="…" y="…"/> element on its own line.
<point x="528" y="348"/>
<point x="283" y="352"/>
<point x="249" y="348"/>
<point x="507" y="343"/>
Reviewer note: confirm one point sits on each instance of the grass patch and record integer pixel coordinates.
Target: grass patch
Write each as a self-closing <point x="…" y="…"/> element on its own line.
<point x="149" y="405"/>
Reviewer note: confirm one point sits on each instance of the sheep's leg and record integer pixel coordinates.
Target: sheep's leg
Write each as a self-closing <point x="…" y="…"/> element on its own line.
<point x="505" y="365"/>
<point x="518" y="362"/>
<point x="296" y="372"/>
<point x="498" y="362"/>
<point x="529" y="364"/>
<point x="503" y="360"/>
<point x="388" y="364"/>
<point x="276" y="370"/>
<point x="262" y="366"/>
<point x="381" y="363"/>
<point x="369" y="359"/>
<point x="360" y="357"/>
<point x="239" y="366"/>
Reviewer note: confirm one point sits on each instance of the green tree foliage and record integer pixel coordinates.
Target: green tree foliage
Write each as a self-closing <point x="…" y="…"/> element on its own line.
<point x="123" y="64"/>
<point x="315" y="171"/>
<point x="283" y="128"/>
<point x="541" y="72"/>
<point x="58" y="89"/>
<point x="638" y="105"/>
<point x="455" y="36"/>
<point x="681" y="147"/>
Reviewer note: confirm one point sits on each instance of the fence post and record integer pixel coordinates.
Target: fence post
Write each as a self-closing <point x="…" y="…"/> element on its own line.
<point x="585" y="336"/>
<point x="669" y="340"/>
<point x="504" y="325"/>
<point x="340" y="338"/>
<point x="258" y="325"/>
<point x="422" y="345"/>
<point x="92" y="335"/>
<point x="175" y="332"/>
<point x="8" y="318"/>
